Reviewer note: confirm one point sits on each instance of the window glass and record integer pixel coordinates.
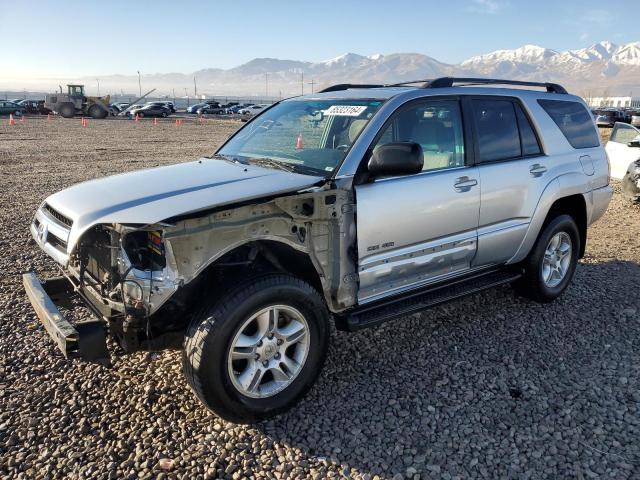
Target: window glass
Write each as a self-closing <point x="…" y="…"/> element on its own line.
<point x="528" y="138"/>
<point x="623" y="133"/>
<point x="498" y="137"/>
<point x="436" y="126"/>
<point x="574" y="121"/>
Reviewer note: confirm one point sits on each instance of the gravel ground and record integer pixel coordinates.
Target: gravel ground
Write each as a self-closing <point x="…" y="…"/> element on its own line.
<point x="491" y="386"/>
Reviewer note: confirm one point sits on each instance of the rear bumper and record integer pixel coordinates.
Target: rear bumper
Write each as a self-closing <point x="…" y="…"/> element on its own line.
<point x="85" y="339"/>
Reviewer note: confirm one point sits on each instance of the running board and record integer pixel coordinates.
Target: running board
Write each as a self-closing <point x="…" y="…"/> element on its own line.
<point x="414" y="301"/>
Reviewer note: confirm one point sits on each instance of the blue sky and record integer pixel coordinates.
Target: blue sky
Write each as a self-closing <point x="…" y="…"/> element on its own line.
<point x="73" y="38"/>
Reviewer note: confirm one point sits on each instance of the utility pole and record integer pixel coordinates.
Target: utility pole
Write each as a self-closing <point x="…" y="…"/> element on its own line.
<point x="301" y="83"/>
<point x="195" y="87"/>
<point x="312" y="83"/>
<point x="266" y="85"/>
<point x="186" y="94"/>
<point x="98" y="80"/>
<point x="173" y="90"/>
<point x="139" y="84"/>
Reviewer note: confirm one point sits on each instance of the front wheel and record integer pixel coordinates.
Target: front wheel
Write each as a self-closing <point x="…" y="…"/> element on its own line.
<point x="164" y="115"/>
<point x="256" y="352"/>
<point x="550" y="266"/>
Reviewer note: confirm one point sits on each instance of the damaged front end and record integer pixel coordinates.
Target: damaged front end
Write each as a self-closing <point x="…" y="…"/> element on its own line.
<point x="143" y="283"/>
<point x="631" y="182"/>
<point x="123" y="275"/>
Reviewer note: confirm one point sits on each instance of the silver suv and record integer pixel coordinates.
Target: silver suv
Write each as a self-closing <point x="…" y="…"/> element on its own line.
<point x="361" y="204"/>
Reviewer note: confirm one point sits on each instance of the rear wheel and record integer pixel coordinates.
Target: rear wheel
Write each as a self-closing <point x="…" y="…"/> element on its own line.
<point x="164" y="115"/>
<point x="256" y="352"/>
<point x="67" y="110"/>
<point x="550" y="266"/>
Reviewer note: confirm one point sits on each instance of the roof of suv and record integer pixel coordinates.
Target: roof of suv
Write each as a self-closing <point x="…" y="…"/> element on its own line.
<point x="442" y="86"/>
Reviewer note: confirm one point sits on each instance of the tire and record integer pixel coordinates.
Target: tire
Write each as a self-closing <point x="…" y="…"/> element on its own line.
<point x="536" y="283"/>
<point x="67" y="110"/>
<point x="207" y="348"/>
<point x="164" y="115"/>
<point x="140" y="114"/>
<point x="97" y="112"/>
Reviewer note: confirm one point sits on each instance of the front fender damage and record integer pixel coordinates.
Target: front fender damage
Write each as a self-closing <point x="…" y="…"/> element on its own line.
<point x="320" y="224"/>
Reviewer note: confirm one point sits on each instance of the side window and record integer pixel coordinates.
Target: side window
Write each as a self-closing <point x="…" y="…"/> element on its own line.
<point x="497" y="128"/>
<point x="574" y="121"/>
<point x="623" y="133"/>
<point x="530" y="145"/>
<point x="436" y="126"/>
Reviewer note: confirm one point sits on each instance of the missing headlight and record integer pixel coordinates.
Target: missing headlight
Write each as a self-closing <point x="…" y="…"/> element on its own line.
<point x="145" y="250"/>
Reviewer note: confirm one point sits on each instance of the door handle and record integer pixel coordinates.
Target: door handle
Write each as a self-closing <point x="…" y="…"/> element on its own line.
<point x="464" y="184"/>
<point x="537" y="170"/>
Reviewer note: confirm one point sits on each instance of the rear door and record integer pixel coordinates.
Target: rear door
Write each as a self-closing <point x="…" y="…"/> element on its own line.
<point x="513" y="174"/>
<point x="621" y="155"/>
<point x="418" y="229"/>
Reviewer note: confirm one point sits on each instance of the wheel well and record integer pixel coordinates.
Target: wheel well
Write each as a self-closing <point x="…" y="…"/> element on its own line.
<point x="260" y="257"/>
<point x="576" y="207"/>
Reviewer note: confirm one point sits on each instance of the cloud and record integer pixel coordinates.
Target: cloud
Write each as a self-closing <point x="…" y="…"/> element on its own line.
<point x="490" y="7"/>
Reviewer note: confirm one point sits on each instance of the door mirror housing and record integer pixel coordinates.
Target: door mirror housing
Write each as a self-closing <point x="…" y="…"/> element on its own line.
<point x="398" y="158"/>
<point x="634" y="143"/>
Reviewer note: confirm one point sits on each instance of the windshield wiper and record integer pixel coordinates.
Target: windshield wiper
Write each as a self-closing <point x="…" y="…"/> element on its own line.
<point x="269" y="161"/>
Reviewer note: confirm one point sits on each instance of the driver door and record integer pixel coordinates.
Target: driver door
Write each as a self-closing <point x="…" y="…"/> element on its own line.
<point x="418" y="229"/>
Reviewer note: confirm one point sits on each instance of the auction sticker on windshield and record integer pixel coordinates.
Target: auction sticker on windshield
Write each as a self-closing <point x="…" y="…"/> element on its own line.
<point x="345" y="110"/>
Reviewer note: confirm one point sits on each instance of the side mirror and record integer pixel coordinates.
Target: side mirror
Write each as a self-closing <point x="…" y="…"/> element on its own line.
<point x="391" y="159"/>
<point x="634" y="143"/>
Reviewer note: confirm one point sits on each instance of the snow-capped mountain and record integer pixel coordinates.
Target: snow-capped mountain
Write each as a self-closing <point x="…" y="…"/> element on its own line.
<point x="598" y="68"/>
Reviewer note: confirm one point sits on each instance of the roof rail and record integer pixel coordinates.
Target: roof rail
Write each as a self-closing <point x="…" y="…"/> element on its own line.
<point x="445" y="82"/>
<point x="345" y="86"/>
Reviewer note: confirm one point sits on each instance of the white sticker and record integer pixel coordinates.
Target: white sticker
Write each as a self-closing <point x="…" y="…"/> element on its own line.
<point x="345" y="110"/>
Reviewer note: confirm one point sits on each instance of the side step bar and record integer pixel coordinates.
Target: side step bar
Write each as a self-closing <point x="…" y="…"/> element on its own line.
<point x="374" y="314"/>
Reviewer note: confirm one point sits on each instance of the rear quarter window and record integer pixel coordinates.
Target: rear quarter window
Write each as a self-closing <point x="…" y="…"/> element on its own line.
<point x="574" y="121"/>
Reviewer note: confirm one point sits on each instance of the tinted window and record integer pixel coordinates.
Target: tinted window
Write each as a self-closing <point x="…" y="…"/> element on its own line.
<point x="623" y="133"/>
<point x="436" y="126"/>
<point x="498" y="137"/>
<point x="574" y="121"/>
<point x="528" y="137"/>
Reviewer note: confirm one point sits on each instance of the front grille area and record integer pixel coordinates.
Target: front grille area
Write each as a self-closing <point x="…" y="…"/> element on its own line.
<point x="57" y="243"/>
<point x="57" y="215"/>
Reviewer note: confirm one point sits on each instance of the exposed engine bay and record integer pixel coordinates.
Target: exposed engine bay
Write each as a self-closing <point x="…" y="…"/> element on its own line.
<point x="631" y="182"/>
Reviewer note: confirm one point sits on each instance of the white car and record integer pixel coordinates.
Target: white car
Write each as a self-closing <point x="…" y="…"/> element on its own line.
<point x="623" y="149"/>
<point x="253" y="109"/>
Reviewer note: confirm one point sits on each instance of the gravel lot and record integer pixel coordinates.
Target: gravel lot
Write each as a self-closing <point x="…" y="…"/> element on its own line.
<point x="491" y="386"/>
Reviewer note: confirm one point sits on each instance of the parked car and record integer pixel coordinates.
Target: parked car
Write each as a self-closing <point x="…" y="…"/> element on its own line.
<point x="252" y="110"/>
<point x="635" y="118"/>
<point x="150" y="110"/>
<point x="114" y="109"/>
<point x="7" y="107"/>
<point x="168" y="105"/>
<point x="122" y="105"/>
<point x="244" y="258"/>
<point x="608" y="117"/>
<point x="623" y="150"/>
<point x="194" y="108"/>
<point x="35" y="107"/>
<point x="211" y="109"/>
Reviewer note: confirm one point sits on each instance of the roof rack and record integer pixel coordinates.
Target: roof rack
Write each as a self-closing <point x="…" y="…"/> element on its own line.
<point x="345" y="86"/>
<point x="445" y="82"/>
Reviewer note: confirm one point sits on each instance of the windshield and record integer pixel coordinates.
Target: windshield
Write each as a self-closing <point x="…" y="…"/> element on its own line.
<point x="305" y="136"/>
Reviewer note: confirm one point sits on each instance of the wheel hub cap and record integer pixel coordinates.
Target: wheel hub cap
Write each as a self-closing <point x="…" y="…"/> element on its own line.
<point x="268" y="351"/>
<point x="557" y="259"/>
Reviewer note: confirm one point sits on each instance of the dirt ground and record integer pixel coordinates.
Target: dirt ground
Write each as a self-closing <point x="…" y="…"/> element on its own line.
<point x="490" y="386"/>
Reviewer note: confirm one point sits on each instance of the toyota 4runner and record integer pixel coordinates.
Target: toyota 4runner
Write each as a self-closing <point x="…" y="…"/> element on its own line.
<point x="361" y="204"/>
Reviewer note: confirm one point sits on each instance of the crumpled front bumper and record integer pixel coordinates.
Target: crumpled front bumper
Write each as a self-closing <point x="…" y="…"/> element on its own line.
<point x="85" y="339"/>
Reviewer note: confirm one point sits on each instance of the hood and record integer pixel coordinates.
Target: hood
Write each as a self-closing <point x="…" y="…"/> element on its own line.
<point x="150" y="196"/>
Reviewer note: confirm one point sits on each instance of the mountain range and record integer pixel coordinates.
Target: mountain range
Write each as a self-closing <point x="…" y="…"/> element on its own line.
<point x="601" y="69"/>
